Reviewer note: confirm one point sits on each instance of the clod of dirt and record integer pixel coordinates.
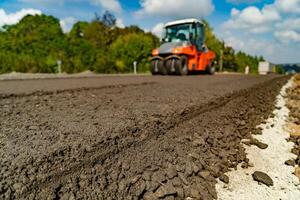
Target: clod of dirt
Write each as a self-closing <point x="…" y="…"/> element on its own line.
<point x="171" y="172"/>
<point x="262" y="177"/>
<point x="198" y="142"/>
<point x="296" y="150"/>
<point x="126" y="148"/>
<point x="297" y="172"/>
<point x="165" y="190"/>
<point x="259" y="144"/>
<point x="195" y="193"/>
<point x="294" y="129"/>
<point x="204" y="174"/>
<point x="290" y="162"/>
<point x="294" y="125"/>
<point x="224" y="178"/>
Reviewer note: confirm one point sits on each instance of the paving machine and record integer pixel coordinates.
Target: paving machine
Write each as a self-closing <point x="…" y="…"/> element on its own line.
<point x="183" y="50"/>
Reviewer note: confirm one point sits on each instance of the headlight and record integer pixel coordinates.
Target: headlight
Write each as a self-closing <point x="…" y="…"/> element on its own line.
<point x="155" y="52"/>
<point x="177" y="50"/>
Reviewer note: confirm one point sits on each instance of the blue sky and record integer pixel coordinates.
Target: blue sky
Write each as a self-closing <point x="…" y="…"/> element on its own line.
<point x="259" y="27"/>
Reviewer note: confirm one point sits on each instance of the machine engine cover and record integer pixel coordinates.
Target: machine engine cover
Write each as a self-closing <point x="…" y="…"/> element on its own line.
<point x="167" y="48"/>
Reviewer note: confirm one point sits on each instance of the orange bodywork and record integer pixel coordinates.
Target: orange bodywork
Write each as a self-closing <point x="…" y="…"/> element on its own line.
<point x="197" y="60"/>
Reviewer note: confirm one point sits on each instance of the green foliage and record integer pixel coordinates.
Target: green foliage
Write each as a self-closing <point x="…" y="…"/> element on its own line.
<point x="36" y="43"/>
<point x="243" y="60"/>
<point x="212" y="42"/>
<point x="129" y="48"/>
<point x="279" y="69"/>
<point x="229" y="59"/>
<point x="232" y="61"/>
<point x="32" y="45"/>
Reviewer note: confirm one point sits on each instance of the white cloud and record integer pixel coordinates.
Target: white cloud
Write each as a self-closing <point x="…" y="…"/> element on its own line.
<point x="176" y="9"/>
<point x="257" y="20"/>
<point x="288" y="6"/>
<point x="272" y="51"/>
<point x="289" y="24"/>
<point x="67" y="24"/>
<point x="251" y="46"/>
<point x="235" y="12"/>
<point x="253" y="19"/>
<point x="158" y="29"/>
<point x="280" y="44"/>
<point x="120" y="23"/>
<point x="279" y="19"/>
<point x="287" y="36"/>
<point x="111" y="5"/>
<point x="13" y="18"/>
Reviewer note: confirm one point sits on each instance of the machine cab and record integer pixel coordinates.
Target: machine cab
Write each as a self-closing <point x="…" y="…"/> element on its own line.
<point x="189" y="32"/>
<point x="182" y="49"/>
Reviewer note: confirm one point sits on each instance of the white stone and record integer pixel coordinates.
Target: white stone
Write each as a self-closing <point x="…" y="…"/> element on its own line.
<point x="270" y="160"/>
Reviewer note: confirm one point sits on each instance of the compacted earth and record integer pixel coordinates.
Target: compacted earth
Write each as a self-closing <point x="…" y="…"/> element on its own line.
<point x="127" y="137"/>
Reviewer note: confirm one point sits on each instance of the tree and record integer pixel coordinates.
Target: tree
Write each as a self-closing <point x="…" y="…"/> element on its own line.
<point x="37" y="42"/>
<point x="34" y="44"/>
<point x="129" y="48"/>
<point x="109" y="19"/>
<point x="229" y="61"/>
<point x="212" y="41"/>
<point x="243" y="60"/>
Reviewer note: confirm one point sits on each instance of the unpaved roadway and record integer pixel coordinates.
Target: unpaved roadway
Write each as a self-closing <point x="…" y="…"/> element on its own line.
<point x="127" y="137"/>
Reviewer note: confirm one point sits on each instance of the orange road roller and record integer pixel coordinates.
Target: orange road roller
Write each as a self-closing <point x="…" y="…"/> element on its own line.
<point x="183" y="50"/>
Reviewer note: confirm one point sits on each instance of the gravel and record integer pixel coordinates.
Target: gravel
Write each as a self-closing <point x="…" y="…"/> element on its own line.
<point x="127" y="137"/>
<point x="262" y="177"/>
<point x="270" y="161"/>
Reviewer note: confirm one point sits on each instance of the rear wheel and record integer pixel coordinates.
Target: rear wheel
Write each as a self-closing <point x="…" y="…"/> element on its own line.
<point x="211" y="69"/>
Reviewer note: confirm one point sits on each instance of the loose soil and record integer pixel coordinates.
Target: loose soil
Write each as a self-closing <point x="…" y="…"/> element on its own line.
<point x="268" y="175"/>
<point x="127" y="137"/>
<point x="294" y="126"/>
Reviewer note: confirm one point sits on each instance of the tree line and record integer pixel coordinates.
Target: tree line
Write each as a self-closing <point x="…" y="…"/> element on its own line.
<point x="231" y="60"/>
<point x="36" y="43"/>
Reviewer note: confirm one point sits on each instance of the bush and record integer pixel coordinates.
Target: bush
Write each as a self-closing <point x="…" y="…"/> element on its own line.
<point x="129" y="48"/>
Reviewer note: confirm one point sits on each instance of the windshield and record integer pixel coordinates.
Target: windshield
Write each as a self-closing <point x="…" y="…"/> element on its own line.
<point x="178" y="33"/>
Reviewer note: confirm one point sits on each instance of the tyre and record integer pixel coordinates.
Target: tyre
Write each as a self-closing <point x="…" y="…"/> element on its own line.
<point x="157" y="67"/>
<point x="211" y="69"/>
<point x="170" y="65"/>
<point x="181" y="66"/>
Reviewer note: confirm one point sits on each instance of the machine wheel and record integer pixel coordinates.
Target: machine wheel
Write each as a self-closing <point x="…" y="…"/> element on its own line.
<point x="157" y="67"/>
<point x="181" y="67"/>
<point x="171" y="65"/>
<point x="211" y="69"/>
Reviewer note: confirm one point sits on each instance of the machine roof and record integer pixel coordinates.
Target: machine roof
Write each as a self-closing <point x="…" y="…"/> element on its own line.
<point x="184" y="21"/>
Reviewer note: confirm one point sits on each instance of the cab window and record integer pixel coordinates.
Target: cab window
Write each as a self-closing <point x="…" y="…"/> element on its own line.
<point x="199" y="36"/>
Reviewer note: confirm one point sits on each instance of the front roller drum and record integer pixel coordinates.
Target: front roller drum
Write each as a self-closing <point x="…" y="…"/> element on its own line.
<point x="157" y="67"/>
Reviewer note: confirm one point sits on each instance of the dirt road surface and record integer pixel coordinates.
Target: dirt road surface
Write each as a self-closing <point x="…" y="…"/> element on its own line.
<point x="127" y="137"/>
